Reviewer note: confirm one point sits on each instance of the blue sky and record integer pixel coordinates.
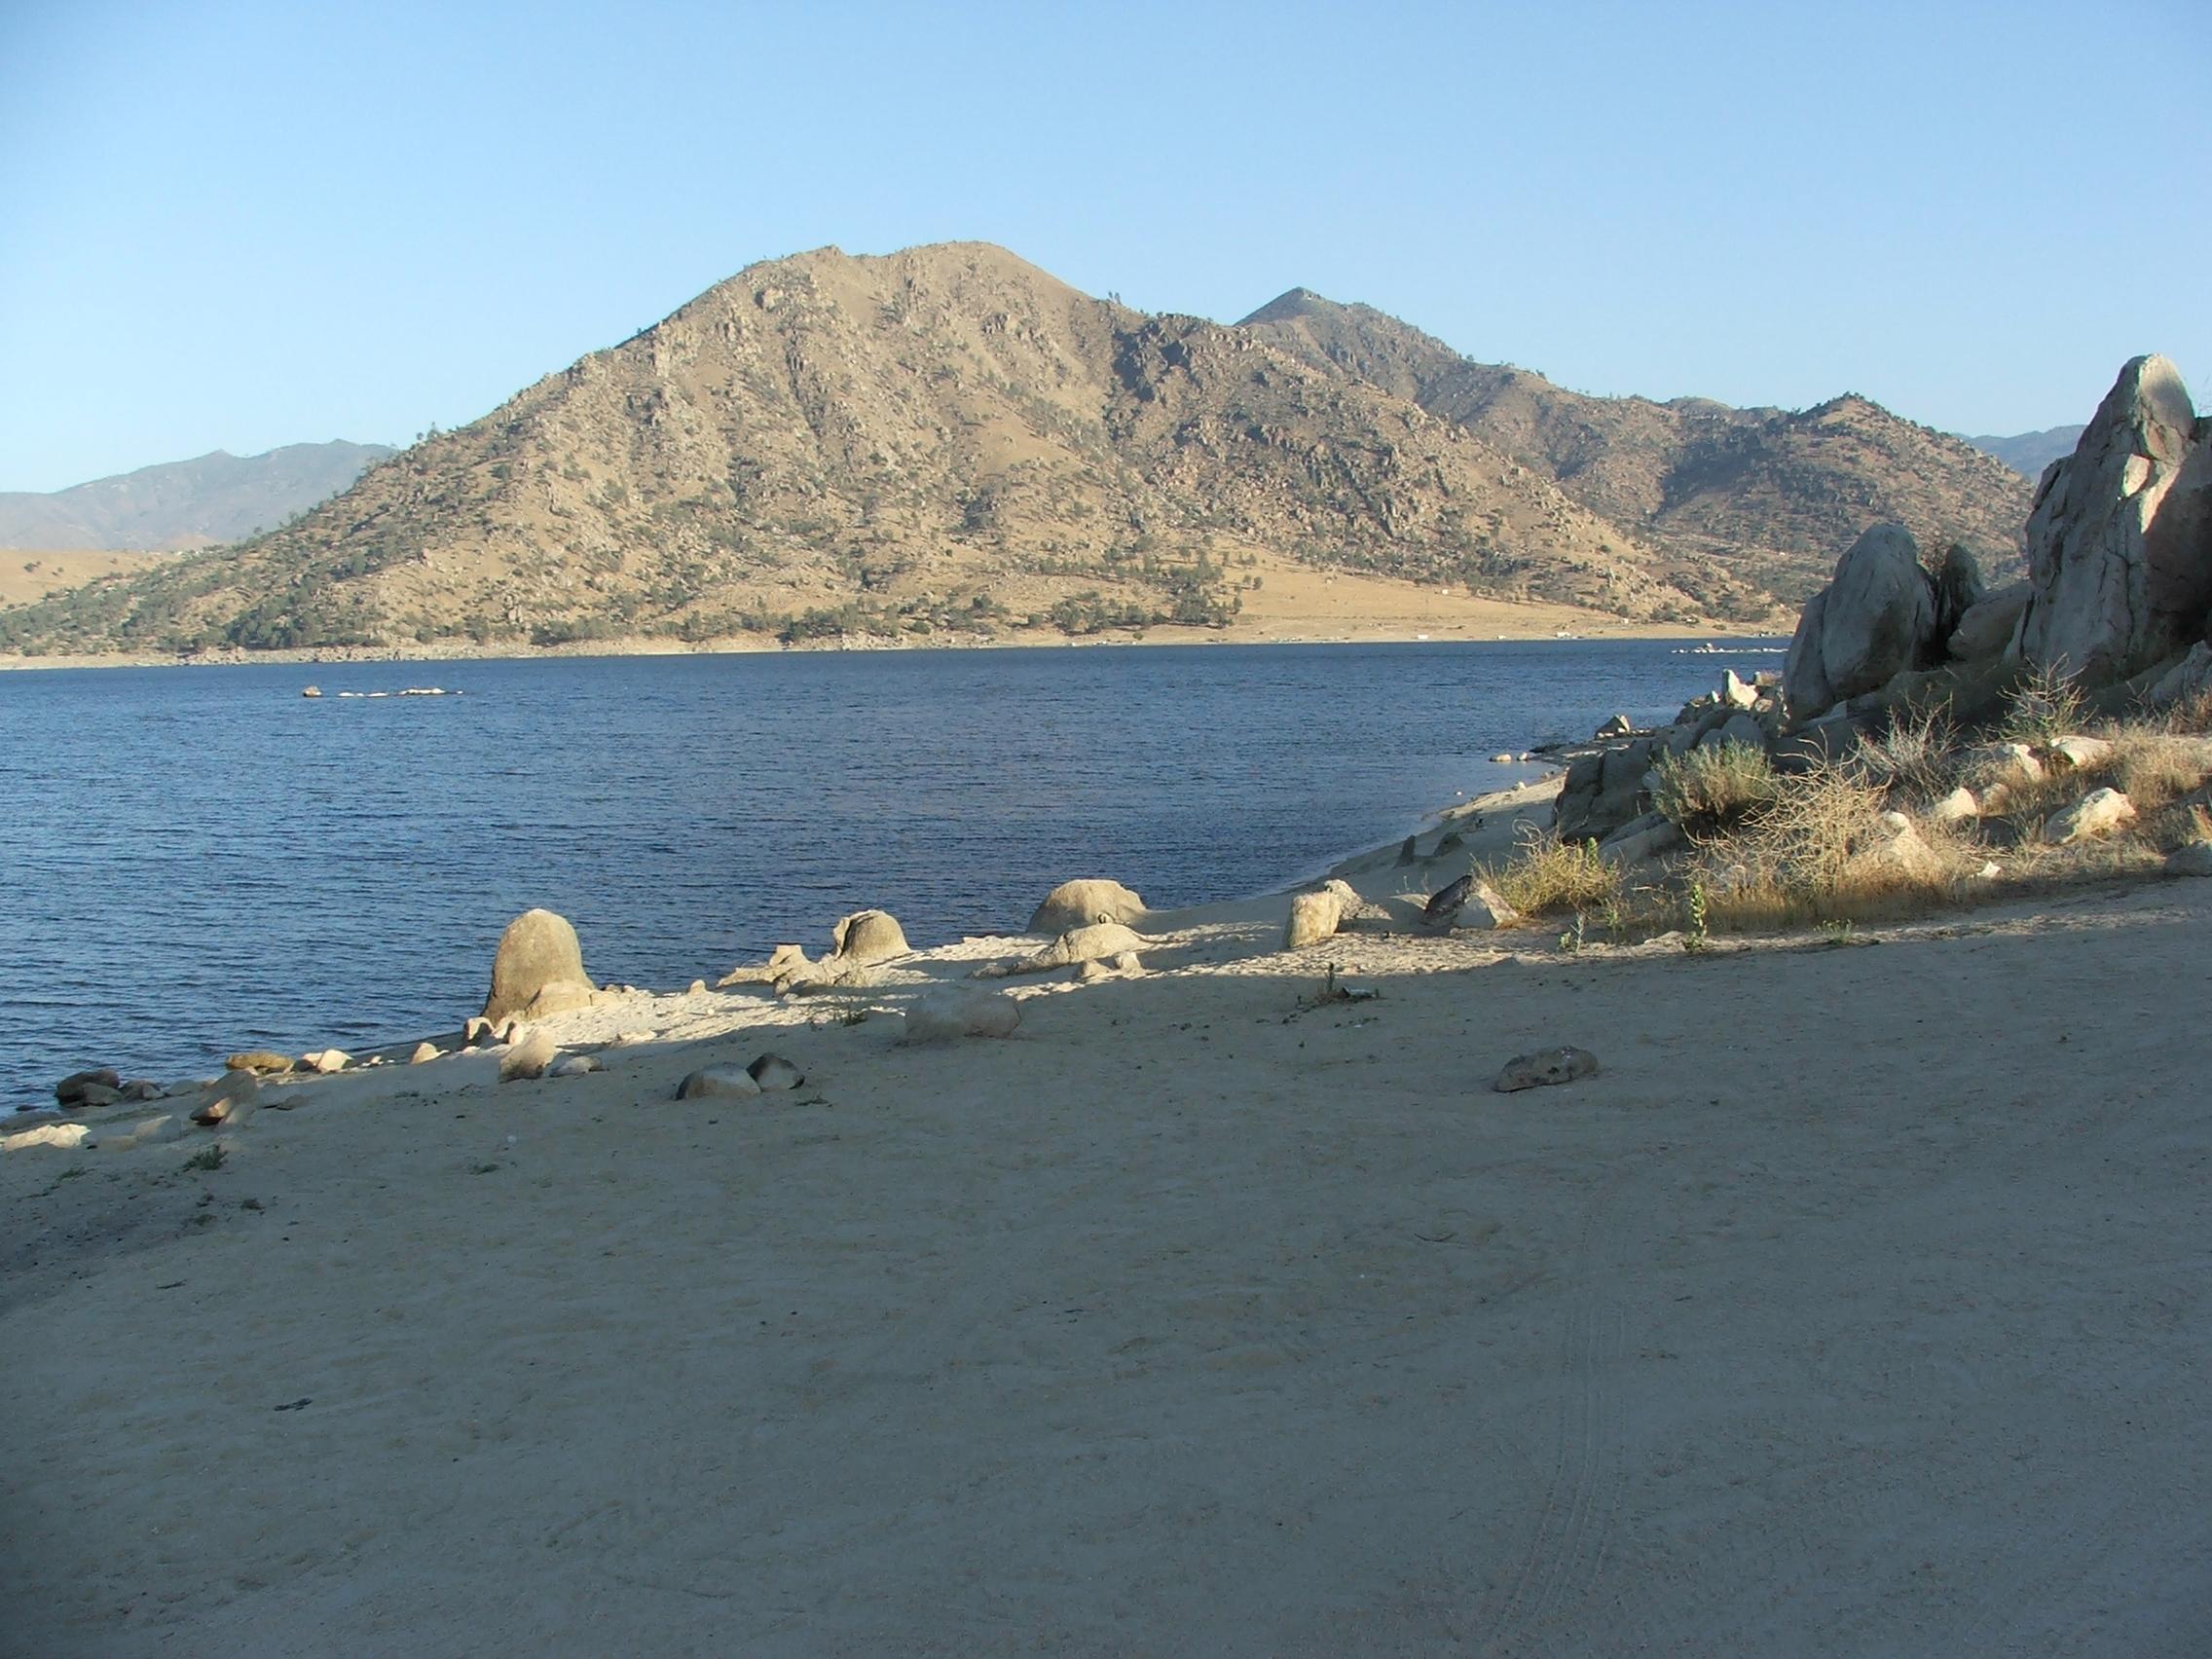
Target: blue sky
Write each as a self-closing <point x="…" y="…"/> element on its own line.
<point x="235" y="226"/>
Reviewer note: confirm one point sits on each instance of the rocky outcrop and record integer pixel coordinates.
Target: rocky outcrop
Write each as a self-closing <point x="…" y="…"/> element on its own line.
<point x="1079" y="903"/>
<point x="539" y="949"/>
<point x="1874" y="620"/>
<point x="1985" y="629"/>
<point x="2114" y="589"/>
<point x="868" y="937"/>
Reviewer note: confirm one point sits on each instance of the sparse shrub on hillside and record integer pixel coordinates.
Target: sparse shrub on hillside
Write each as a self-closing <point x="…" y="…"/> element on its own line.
<point x="1914" y="755"/>
<point x="2043" y="706"/>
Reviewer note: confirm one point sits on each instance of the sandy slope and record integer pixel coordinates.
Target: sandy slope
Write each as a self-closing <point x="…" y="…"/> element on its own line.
<point x="1858" y="1306"/>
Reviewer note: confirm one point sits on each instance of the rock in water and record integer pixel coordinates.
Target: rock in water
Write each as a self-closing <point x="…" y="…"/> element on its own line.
<point x="773" y="1071"/>
<point x="2112" y="591"/>
<point x="1544" y="1068"/>
<point x="1079" y="903"/>
<point x="951" y="1012"/>
<point x="538" y="949"/>
<point x="870" y="936"/>
<point x="1618" y="726"/>
<point x="1313" y="917"/>
<point x="1875" y="619"/>
<point x="259" y="1060"/>
<point x="70" y="1090"/>
<point x="719" y="1083"/>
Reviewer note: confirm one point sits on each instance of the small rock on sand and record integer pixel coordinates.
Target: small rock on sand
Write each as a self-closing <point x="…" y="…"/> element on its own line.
<point x="773" y="1071"/>
<point x="260" y="1060"/>
<point x="951" y="1012"/>
<point x="1313" y="917"/>
<point x="327" y="1060"/>
<point x="70" y="1090"/>
<point x="573" y="1065"/>
<point x="528" y="1058"/>
<point x="2098" y="813"/>
<point x="868" y="935"/>
<point x="63" y="1135"/>
<point x="1546" y="1067"/>
<point x="711" y="1082"/>
<point x="425" y="1051"/>
<point x="2195" y="859"/>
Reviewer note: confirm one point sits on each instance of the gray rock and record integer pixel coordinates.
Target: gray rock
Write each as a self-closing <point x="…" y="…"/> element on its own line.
<point x="719" y="1083"/>
<point x="1875" y="619"/>
<point x="2109" y="592"/>
<point x="325" y="1061"/>
<point x="142" y="1090"/>
<point x="561" y="996"/>
<point x="1735" y="692"/>
<point x="2082" y="754"/>
<point x="263" y="1062"/>
<point x="2190" y="677"/>
<point x="1483" y="910"/>
<point x="1957" y="807"/>
<point x="97" y="1094"/>
<point x="423" y="1052"/>
<point x="870" y="936"/>
<point x="1959" y="588"/>
<point x="1079" y="903"/>
<point x="1641" y="839"/>
<point x="70" y="1090"/>
<point x="773" y="1071"/>
<point x="948" y="1013"/>
<point x="2098" y="813"/>
<point x="538" y="949"/>
<point x="2195" y="859"/>
<point x="64" y="1136"/>
<point x="1406" y="853"/>
<point x="1078" y="944"/>
<point x="231" y="1099"/>
<point x="1546" y="1068"/>
<point x="573" y="1065"/>
<point x="1617" y="726"/>
<point x="1986" y="630"/>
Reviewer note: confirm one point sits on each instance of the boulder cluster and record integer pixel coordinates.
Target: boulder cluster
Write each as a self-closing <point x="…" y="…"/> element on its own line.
<point x="2117" y="602"/>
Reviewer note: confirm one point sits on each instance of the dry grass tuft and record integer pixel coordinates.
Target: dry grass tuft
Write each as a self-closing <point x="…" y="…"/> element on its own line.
<point x="2155" y="769"/>
<point x="2044" y="705"/>
<point x="1713" y="789"/>
<point x="1548" y="876"/>
<point x="1914" y="756"/>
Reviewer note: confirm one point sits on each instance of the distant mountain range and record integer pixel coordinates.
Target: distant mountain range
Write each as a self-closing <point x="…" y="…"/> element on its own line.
<point x="949" y="438"/>
<point x="217" y="498"/>
<point x="2029" y="453"/>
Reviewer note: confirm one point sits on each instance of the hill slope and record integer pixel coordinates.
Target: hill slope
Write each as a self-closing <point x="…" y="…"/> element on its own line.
<point x="2029" y="453"/>
<point x="949" y="436"/>
<point x="215" y="499"/>
<point x="1772" y="495"/>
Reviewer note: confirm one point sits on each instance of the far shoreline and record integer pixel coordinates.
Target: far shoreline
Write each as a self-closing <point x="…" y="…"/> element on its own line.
<point x="737" y="645"/>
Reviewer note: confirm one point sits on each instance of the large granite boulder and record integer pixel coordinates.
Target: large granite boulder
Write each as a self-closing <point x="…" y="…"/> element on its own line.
<point x="1079" y="903"/>
<point x="868" y="937"/>
<point x="539" y="949"/>
<point x="1876" y="618"/>
<point x="2113" y="590"/>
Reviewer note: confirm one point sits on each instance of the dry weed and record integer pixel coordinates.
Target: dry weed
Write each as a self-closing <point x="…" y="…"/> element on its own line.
<point x="2155" y="769"/>
<point x="1713" y="789"/>
<point x="1546" y="875"/>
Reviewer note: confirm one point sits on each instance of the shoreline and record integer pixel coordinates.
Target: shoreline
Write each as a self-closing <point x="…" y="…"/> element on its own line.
<point x="1151" y="638"/>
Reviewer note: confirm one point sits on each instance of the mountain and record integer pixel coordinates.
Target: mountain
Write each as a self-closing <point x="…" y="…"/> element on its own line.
<point x="949" y="437"/>
<point x="1764" y="498"/>
<point x="2029" y="453"/>
<point x="215" y="499"/>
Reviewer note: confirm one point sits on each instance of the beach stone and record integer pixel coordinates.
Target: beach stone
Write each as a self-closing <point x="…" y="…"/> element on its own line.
<point x="325" y="1061"/>
<point x="573" y="1065"/>
<point x="1957" y="807"/>
<point x="561" y="996"/>
<point x="948" y="1013"/>
<point x="1313" y="917"/>
<point x="61" y="1136"/>
<point x="773" y="1071"/>
<point x="1406" y="853"/>
<point x="423" y="1052"/>
<point x="528" y="1058"/>
<point x="263" y="1062"/>
<point x="717" y="1082"/>
<point x="538" y="949"/>
<point x="231" y="1100"/>
<point x="783" y="962"/>
<point x="2190" y="677"/>
<point x="1079" y="904"/>
<point x="97" y="1094"/>
<point x="1128" y="962"/>
<point x="1443" y="905"/>
<point x="1502" y="759"/>
<point x="2081" y="752"/>
<point x="1078" y="944"/>
<point x="1736" y="693"/>
<point x="1545" y="1068"/>
<point x="1483" y="910"/>
<point x="2195" y="859"/>
<point x="2098" y="813"/>
<point x="2000" y="763"/>
<point x="70" y="1090"/>
<point x="697" y="987"/>
<point x="870" y="936"/>
<point x="1875" y="619"/>
<point x="1641" y="839"/>
<point x="143" y="1089"/>
<point x="2110" y="593"/>
<point x="1617" y="725"/>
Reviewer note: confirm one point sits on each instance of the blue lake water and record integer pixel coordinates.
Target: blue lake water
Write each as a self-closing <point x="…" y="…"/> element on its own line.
<point x="193" y="860"/>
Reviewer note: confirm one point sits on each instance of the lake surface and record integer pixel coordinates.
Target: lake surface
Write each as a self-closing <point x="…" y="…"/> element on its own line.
<point x="194" y="861"/>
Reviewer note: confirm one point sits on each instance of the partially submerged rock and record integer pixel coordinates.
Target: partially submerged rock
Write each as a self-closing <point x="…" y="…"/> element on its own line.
<point x="1079" y="904"/>
<point x="71" y="1089"/>
<point x="538" y="949"/>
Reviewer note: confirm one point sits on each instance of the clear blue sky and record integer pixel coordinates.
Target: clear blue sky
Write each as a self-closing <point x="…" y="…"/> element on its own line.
<point x="235" y="226"/>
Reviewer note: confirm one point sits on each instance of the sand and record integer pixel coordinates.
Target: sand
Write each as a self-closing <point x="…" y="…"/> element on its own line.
<point x="1857" y="1306"/>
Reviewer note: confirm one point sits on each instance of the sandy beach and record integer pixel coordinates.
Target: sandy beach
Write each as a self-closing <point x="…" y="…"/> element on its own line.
<point x="1856" y="1306"/>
